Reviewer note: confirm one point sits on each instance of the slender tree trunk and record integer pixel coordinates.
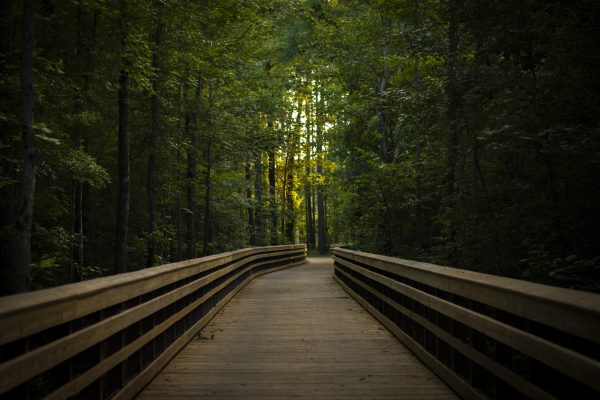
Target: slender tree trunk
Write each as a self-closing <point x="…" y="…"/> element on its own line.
<point x="453" y="103"/>
<point x="21" y="276"/>
<point x="8" y="193"/>
<point x="321" y="228"/>
<point x="191" y="190"/>
<point x="454" y="136"/>
<point x="382" y="81"/>
<point x="123" y="145"/>
<point x="418" y="169"/>
<point x="154" y="127"/>
<point x="290" y="223"/>
<point x="310" y="229"/>
<point x="313" y="216"/>
<point x="193" y="126"/>
<point x="178" y="222"/>
<point x="251" y="224"/>
<point x="284" y="198"/>
<point x="80" y="141"/>
<point x="272" y="200"/>
<point x="260" y="225"/>
<point x="207" y="196"/>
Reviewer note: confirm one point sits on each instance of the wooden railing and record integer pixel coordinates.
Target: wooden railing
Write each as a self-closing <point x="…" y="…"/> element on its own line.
<point x="485" y="336"/>
<point x="106" y="338"/>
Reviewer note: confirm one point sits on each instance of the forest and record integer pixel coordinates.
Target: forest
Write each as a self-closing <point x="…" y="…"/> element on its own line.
<point x="136" y="133"/>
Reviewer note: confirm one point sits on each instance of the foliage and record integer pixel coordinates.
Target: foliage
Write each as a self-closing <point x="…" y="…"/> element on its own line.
<point x="462" y="133"/>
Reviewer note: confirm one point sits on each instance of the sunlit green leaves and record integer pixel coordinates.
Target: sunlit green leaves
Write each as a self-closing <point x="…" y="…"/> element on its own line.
<point x="85" y="168"/>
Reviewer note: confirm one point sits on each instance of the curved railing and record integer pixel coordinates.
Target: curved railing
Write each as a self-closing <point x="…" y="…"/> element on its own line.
<point x="485" y="336"/>
<point x="106" y="338"/>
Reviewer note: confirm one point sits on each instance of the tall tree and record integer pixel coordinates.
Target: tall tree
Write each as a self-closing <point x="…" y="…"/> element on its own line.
<point x="258" y="197"/>
<point x="123" y="145"/>
<point x="154" y="129"/>
<point x="250" y="206"/>
<point x="21" y="275"/>
<point x="272" y="192"/>
<point x="310" y="229"/>
<point x="321" y="228"/>
<point x="191" y="127"/>
<point x="453" y="171"/>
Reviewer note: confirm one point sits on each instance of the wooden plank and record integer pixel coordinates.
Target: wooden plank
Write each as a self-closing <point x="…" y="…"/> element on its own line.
<point x="517" y="382"/>
<point x="570" y="363"/>
<point x="456" y="382"/>
<point x="85" y="379"/>
<point x="142" y="379"/>
<point x="24" y="314"/>
<point x="571" y="311"/>
<point x="295" y="334"/>
<point x="22" y="368"/>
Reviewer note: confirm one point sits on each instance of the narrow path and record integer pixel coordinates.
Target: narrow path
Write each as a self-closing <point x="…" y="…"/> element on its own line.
<point x="295" y="334"/>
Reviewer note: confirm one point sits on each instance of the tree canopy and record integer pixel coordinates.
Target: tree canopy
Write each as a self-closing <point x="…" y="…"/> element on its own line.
<point x="140" y="132"/>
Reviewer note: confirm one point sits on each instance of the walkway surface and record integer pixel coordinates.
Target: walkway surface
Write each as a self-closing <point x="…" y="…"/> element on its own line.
<point x="295" y="334"/>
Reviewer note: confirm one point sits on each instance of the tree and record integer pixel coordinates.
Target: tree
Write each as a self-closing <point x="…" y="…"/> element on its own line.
<point x="122" y="225"/>
<point x="154" y="129"/>
<point x="20" y="275"/>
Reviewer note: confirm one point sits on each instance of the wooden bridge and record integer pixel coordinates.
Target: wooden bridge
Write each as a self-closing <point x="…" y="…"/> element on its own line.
<point x="367" y="326"/>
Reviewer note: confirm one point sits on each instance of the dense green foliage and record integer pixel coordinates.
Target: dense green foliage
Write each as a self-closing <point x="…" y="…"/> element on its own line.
<point x="487" y="134"/>
<point x="459" y="132"/>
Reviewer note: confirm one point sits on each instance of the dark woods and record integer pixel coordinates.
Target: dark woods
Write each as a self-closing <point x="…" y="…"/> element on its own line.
<point x="135" y="133"/>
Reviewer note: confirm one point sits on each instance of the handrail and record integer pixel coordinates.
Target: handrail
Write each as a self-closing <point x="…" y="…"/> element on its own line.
<point x="108" y="337"/>
<point x="485" y="336"/>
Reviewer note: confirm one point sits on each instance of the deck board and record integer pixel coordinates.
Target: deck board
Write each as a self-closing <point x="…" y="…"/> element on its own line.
<point x="295" y="334"/>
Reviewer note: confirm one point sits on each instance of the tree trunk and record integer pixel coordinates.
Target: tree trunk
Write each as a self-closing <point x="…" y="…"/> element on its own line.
<point x="260" y="225"/>
<point x="310" y="229"/>
<point x="453" y="103"/>
<point x="207" y="195"/>
<point x="20" y="277"/>
<point x="382" y="80"/>
<point x="154" y="127"/>
<point x="123" y="145"/>
<point x="178" y="222"/>
<point x="418" y="169"/>
<point x="8" y="193"/>
<point x="251" y="225"/>
<point x="321" y="228"/>
<point x="191" y="191"/>
<point x="192" y="127"/>
<point x="272" y="200"/>
<point x="84" y="54"/>
<point x="290" y="222"/>
<point x="454" y="135"/>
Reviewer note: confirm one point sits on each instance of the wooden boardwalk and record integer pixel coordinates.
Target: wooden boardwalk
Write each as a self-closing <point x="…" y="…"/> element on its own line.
<point x="295" y="334"/>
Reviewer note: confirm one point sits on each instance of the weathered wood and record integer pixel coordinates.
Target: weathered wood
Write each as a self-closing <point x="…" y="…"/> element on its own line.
<point x="295" y="334"/>
<point x="459" y="385"/>
<point x="78" y="300"/>
<point x="402" y="294"/>
<point x="505" y="374"/>
<point x="141" y="380"/>
<point x="29" y="313"/>
<point x="567" y="361"/>
<point x="571" y="311"/>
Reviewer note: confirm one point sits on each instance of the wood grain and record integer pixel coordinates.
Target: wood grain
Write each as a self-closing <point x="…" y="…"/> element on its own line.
<point x="569" y="362"/>
<point x="452" y="379"/>
<point x="25" y="314"/>
<point x="295" y="334"/>
<point x="571" y="311"/>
